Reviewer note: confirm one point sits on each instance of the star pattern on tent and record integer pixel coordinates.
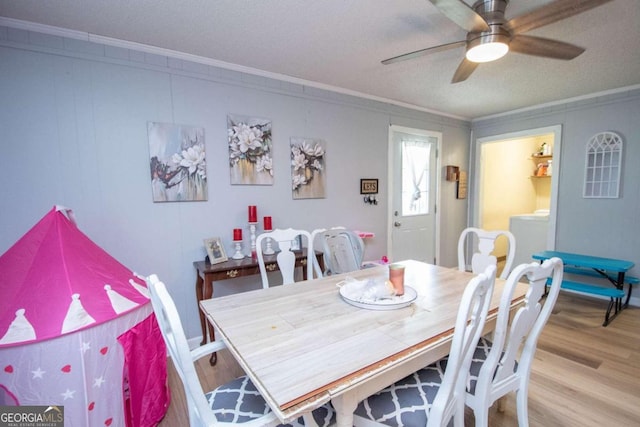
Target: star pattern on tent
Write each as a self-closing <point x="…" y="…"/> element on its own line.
<point x="98" y="382"/>
<point x="68" y="394"/>
<point x="38" y="373"/>
<point x="85" y="347"/>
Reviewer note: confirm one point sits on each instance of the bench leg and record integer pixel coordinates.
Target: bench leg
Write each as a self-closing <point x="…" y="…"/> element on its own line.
<point x="613" y="303"/>
<point x="626" y="302"/>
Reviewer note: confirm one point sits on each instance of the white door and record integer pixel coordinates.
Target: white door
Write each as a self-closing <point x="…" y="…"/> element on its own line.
<point x="413" y="173"/>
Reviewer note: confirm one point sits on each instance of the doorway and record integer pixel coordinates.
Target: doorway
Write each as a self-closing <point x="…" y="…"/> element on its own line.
<point x="516" y="176"/>
<point x="413" y="197"/>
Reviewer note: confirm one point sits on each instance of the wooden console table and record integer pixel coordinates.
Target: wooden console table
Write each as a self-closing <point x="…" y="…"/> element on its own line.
<point x="207" y="273"/>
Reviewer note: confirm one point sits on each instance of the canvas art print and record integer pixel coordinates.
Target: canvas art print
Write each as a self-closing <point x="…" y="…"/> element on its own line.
<point x="308" y="168"/>
<point x="250" y="158"/>
<point x="177" y="161"/>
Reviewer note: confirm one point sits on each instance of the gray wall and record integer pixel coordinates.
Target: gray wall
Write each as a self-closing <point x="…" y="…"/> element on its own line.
<point x="600" y="227"/>
<point x="73" y="128"/>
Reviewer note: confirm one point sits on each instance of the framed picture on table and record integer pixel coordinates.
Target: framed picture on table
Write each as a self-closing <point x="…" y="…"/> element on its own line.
<point x="215" y="250"/>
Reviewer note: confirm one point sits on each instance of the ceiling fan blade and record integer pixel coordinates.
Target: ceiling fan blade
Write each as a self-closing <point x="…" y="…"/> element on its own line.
<point x="548" y="48"/>
<point x="464" y="70"/>
<point x="550" y="13"/>
<point x="460" y="13"/>
<point x="422" y="52"/>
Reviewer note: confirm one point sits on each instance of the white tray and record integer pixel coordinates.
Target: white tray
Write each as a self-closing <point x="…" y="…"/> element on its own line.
<point x="394" y="303"/>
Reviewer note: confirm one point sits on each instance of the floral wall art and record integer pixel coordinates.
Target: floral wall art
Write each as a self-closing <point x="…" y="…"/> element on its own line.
<point x="250" y="145"/>
<point x="308" y="168"/>
<point x="177" y="161"/>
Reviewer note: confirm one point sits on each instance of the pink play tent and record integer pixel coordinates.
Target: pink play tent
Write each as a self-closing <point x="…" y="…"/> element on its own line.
<point x="77" y="330"/>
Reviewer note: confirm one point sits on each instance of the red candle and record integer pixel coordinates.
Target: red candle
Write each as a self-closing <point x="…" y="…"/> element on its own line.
<point x="237" y="234"/>
<point x="253" y="214"/>
<point x="267" y="223"/>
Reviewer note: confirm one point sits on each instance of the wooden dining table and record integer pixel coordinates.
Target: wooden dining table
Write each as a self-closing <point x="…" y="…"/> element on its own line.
<point x="304" y="345"/>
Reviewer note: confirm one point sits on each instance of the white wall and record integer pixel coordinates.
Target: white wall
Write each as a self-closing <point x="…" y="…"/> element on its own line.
<point x="73" y="126"/>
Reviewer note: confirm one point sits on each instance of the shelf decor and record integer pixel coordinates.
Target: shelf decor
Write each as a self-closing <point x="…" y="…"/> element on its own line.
<point x="177" y="162"/>
<point x="250" y="158"/>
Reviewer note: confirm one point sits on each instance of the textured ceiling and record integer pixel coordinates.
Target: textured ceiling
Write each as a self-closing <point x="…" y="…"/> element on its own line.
<point x="340" y="43"/>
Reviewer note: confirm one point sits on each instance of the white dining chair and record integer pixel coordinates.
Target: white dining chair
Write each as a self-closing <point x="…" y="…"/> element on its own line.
<point x="236" y="402"/>
<point x="495" y="371"/>
<point x="343" y="251"/>
<point x="486" y="241"/>
<point x="285" y="257"/>
<point x="315" y="238"/>
<point x="434" y="395"/>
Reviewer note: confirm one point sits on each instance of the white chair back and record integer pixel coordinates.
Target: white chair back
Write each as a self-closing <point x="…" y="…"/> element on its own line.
<point x="428" y="396"/>
<point x="499" y="372"/>
<point x="472" y="315"/>
<point x="314" y="238"/>
<point x="343" y="251"/>
<point x="178" y="347"/>
<point x="285" y="257"/>
<point x="486" y="244"/>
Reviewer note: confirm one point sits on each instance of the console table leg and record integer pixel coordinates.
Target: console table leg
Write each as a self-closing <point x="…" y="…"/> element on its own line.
<point x="204" y="290"/>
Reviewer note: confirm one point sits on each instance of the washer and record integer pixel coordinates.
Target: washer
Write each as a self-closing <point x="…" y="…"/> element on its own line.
<point x="530" y="231"/>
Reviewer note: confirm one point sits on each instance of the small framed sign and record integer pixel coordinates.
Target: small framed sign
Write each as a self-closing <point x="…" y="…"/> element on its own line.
<point x="369" y="186"/>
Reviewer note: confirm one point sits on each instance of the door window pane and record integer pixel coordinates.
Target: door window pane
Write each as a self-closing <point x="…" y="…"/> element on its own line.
<point x="415" y="177"/>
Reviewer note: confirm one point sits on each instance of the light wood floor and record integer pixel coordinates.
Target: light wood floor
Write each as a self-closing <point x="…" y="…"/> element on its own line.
<point x="583" y="374"/>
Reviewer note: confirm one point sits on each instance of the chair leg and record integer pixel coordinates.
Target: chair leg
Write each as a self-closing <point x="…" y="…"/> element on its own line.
<point x="458" y="416"/>
<point x="522" y="407"/>
<point x="308" y="420"/>
<point x="481" y="415"/>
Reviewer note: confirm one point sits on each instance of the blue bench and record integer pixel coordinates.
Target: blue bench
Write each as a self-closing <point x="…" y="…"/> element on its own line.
<point x="614" y="294"/>
<point x="608" y="269"/>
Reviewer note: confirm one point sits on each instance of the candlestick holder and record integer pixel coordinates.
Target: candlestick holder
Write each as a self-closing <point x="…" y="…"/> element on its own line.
<point x="238" y="254"/>
<point x="269" y="249"/>
<point x="252" y="230"/>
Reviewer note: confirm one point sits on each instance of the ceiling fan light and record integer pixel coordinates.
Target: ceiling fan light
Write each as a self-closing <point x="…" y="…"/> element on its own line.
<point x="487" y="52"/>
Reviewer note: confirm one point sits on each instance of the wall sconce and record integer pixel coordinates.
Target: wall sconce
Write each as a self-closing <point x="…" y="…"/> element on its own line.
<point x="452" y="173"/>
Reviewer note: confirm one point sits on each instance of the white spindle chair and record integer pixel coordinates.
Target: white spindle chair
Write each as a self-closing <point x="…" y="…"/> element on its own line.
<point x="236" y="402"/>
<point x="285" y="257"/>
<point x="434" y="395"/>
<point x="494" y="368"/>
<point x="343" y="251"/>
<point x="486" y="244"/>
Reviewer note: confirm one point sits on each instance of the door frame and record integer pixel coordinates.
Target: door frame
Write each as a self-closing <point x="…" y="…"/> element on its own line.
<point x="556" y="130"/>
<point x="390" y="199"/>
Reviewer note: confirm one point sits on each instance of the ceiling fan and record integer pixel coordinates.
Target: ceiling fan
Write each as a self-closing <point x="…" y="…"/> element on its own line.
<point x="490" y="36"/>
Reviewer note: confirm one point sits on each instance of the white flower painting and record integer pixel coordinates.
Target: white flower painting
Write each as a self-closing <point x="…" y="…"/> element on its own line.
<point x="308" y="168"/>
<point x="250" y="157"/>
<point x="177" y="162"/>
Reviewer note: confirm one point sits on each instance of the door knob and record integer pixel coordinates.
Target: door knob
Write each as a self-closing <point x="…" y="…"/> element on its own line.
<point x="397" y="224"/>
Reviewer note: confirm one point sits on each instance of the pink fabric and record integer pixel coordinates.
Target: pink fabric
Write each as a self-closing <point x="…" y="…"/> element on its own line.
<point x="146" y="390"/>
<point x="51" y="262"/>
<point x="82" y="371"/>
